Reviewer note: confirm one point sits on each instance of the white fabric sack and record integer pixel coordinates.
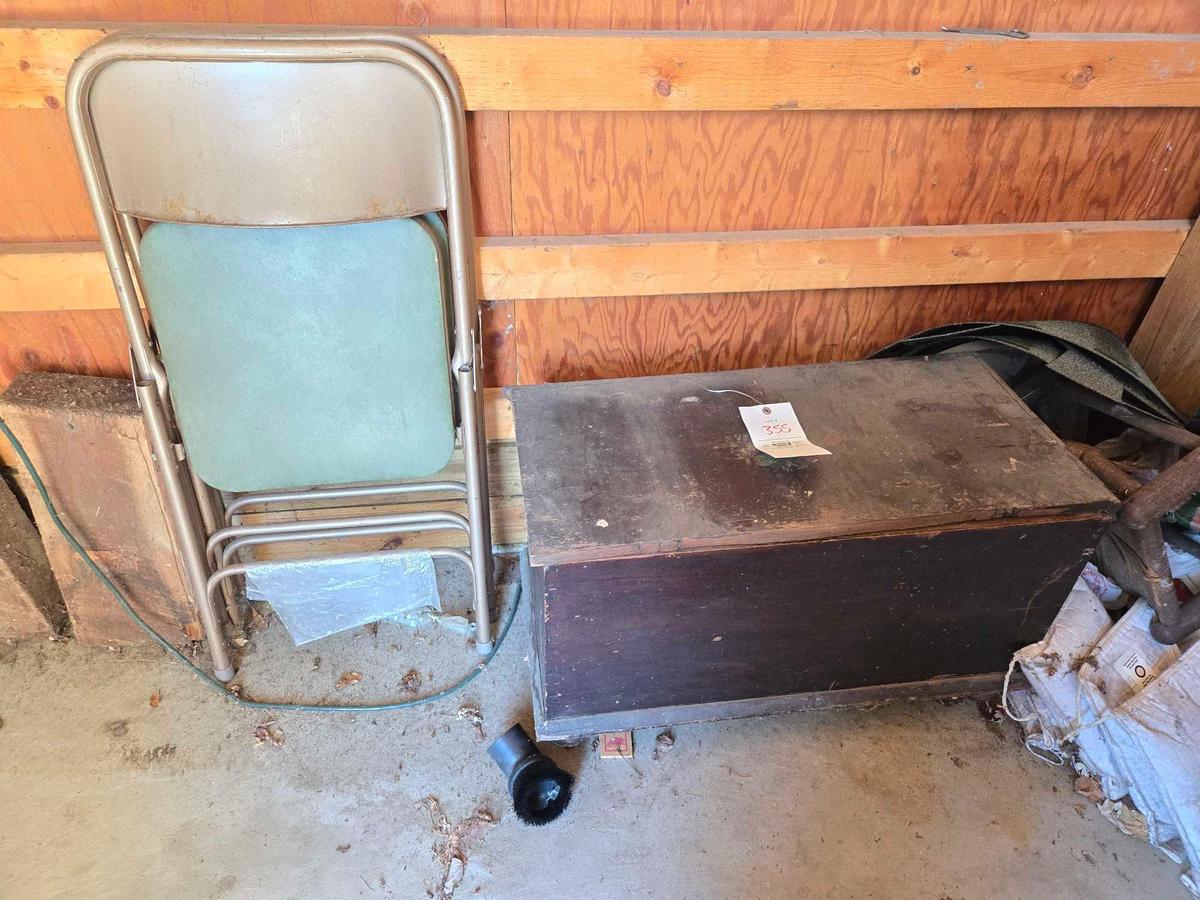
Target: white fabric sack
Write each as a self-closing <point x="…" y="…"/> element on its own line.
<point x="1124" y="663"/>
<point x="1052" y="664"/>
<point x="1157" y="735"/>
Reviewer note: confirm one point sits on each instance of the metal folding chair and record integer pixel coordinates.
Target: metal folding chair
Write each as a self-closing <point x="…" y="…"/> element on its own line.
<point x="277" y="356"/>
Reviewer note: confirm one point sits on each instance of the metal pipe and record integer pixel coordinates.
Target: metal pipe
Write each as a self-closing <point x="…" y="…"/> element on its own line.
<point x="441" y="519"/>
<point x="329" y="534"/>
<point x="338" y="493"/>
<point x="190" y="551"/>
<point x="211" y="521"/>
<point x="466" y="361"/>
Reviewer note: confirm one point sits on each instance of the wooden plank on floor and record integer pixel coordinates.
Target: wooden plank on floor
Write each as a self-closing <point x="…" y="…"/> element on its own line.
<point x="54" y="277"/>
<point x="509" y="69"/>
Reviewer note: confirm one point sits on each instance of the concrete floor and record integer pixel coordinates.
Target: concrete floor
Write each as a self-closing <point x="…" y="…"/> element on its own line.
<point x="105" y="794"/>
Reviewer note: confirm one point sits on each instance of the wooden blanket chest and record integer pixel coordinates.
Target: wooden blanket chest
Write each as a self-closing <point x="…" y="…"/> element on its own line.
<point x="677" y="573"/>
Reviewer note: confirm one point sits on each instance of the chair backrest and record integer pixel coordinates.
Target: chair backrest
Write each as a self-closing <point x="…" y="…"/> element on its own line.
<point x="296" y="356"/>
<point x="239" y="131"/>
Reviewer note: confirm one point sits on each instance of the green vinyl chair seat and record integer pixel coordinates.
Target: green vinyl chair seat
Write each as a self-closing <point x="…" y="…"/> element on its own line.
<point x="300" y="356"/>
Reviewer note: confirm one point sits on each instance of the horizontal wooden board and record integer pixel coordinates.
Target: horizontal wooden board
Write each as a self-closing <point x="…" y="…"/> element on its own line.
<point x="1180" y="16"/>
<point x="563" y="267"/>
<point x="566" y="340"/>
<point x="54" y="276"/>
<point x="594" y="70"/>
<point x="61" y="276"/>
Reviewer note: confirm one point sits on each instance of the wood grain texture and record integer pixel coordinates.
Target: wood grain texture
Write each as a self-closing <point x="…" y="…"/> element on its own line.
<point x="42" y="190"/>
<point x="659" y="71"/>
<point x="565" y="340"/>
<point x="598" y="173"/>
<point x="534" y="268"/>
<point x="88" y="342"/>
<point x="702" y="628"/>
<point x="639" y="467"/>
<point x="499" y="343"/>
<point x="54" y="276"/>
<point x="74" y="276"/>
<point x="491" y="181"/>
<point x="405" y="14"/>
<point x="709" y="171"/>
<point x="1180" y="16"/>
<point x="86" y="438"/>
<point x="1167" y="342"/>
<point x="717" y="70"/>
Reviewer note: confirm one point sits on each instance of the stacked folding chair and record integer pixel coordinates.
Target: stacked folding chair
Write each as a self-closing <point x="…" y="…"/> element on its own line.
<point x="275" y="201"/>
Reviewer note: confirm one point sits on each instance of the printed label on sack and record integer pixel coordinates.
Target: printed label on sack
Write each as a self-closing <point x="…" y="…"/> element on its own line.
<point x="775" y="430"/>
<point x="1135" y="672"/>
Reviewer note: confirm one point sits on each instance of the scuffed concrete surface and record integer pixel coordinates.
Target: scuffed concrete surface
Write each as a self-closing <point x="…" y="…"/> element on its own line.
<point x="105" y="795"/>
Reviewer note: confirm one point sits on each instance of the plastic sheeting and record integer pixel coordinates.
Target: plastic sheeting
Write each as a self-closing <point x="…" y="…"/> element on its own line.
<point x="317" y="598"/>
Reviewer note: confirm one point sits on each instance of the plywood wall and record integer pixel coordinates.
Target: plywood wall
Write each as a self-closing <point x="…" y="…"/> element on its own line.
<point x="571" y="173"/>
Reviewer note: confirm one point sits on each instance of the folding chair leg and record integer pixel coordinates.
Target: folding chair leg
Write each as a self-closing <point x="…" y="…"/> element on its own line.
<point x="191" y="547"/>
<point x="209" y="504"/>
<point x="478" y="507"/>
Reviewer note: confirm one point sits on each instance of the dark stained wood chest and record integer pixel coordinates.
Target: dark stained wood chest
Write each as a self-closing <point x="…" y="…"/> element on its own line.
<point x="676" y="573"/>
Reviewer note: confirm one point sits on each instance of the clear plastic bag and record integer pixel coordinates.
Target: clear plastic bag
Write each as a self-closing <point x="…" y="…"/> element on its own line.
<point x="317" y="598"/>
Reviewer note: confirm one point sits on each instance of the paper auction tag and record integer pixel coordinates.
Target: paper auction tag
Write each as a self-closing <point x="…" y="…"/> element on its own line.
<point x="775" y="430"/>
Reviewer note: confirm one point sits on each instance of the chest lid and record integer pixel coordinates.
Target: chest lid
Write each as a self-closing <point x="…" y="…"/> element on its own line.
<point x="641" y="466"/>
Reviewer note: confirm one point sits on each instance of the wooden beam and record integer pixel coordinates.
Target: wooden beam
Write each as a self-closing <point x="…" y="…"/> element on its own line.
<point x="640" y="265"/>
<point x="54" y="277"/>
<point x="1167" y="343"/>
<point x="511" y="69"/>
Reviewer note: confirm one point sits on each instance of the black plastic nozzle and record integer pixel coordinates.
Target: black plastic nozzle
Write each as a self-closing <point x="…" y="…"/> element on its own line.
<point x="540" y="790"/>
